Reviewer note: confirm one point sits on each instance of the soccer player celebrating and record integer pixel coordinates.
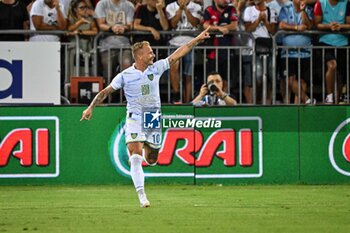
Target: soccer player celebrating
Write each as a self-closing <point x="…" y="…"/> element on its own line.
<point x="140" y="83"/>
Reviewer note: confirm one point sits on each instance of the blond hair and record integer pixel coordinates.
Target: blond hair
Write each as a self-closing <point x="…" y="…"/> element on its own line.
<point x="137" y="46"/>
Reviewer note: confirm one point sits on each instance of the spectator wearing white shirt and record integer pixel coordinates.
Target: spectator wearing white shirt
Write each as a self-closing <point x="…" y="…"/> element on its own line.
<point x="47" y="15"/>
<point x="115" y="16"/>
<point x="184" y="15"/>
<point x="261" y="21"/>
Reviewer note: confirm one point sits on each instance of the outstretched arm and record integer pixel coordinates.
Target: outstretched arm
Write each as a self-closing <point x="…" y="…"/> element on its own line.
<point x="184" y="49"/>
<point x="99" y="98"/>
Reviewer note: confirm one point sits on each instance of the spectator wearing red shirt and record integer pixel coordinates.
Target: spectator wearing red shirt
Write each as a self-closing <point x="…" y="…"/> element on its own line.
<point x="223" y="18"/>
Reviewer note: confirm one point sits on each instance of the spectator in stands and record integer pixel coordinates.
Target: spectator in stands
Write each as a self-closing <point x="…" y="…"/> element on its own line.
<point x="212" y="93"/>
<point x="13" y="15"/>
<point x="81" y="23"/>
<point x="277" y="5"/>
<point x="222" y="18"/>
<point x="114" y="16"/>
<point x="243" y="40"/>
<point x="333" y="16"/>
<point x="296" y="17"/>
<point x="240" y="7"/>
<point x="47" y="15"/>
<point x="184" y="15"/>
<point x="261" y="21"/>
<point x="151" y="18"/>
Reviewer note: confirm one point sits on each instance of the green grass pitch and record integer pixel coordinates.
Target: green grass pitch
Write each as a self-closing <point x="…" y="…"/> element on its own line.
<point x="176" y="208"/>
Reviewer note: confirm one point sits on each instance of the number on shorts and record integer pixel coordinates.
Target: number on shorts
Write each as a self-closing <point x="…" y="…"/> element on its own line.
<point x="156" y="138"/>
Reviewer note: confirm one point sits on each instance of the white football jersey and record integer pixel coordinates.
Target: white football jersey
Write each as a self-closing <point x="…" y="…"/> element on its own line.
<point x="141" y="89"/>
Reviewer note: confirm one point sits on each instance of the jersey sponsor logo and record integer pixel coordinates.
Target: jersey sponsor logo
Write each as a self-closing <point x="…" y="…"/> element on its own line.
<point x="234" y="151"/>
<point x="339" y="148"/>
<point x="11" y="81"/>
<point x="29" y="146"/>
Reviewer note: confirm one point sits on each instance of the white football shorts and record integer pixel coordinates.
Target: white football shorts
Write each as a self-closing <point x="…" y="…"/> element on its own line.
<point x="134" y="132"/>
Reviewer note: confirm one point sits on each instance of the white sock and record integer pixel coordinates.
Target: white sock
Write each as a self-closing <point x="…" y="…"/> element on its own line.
<point x="136" y="171"/>
<point x="141" y="192"/>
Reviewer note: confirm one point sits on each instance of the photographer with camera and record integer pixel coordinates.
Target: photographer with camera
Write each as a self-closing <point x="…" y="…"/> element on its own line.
<point x="211" y="93"/>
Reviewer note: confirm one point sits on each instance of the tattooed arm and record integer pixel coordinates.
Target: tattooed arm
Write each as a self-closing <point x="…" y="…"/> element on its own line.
<point x="184" y="49"/>
<point x="99" y="98"/>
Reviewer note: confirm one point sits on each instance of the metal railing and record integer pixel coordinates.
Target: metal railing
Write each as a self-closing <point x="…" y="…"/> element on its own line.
<point x="201" y="49"/>
<point x="234" y="81"/>
<point x="313" y="48"/>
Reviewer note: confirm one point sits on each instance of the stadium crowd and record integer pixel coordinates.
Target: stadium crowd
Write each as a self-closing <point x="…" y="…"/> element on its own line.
<point x="261" y="18"/>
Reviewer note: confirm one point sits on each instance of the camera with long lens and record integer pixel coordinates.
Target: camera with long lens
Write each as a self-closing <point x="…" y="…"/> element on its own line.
<point x="212" y="87"/>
